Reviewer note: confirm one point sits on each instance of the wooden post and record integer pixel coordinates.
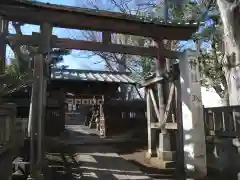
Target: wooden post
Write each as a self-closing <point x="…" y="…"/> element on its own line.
<point x="33" y="114"/>
<point x="159" y="71"/>
<point x="150" y="119"/>
<point x="106" y="37"/>
<point x="45" y="48"/>
<point x="3" y="33"/>
<point x="179" y="137"/>
<point x="40" y="117"/>
<point x="102" y="125"/>
<point x="38" y="103"/>
<point x="164" y="149"/>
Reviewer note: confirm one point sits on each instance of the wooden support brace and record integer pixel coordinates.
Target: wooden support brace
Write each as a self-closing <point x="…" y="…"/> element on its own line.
<point x="162" y="123"/>
<point x="151" y="131"/>
<point x="155" y="105"/>
<point x="169" y="103"/>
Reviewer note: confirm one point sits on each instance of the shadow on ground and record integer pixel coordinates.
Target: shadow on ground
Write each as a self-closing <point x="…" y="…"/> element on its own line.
<point x="112" y="160"/>
<point x="89" y="162"/>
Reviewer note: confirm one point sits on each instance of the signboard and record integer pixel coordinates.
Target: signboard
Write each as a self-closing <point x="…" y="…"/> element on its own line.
<point x="73" y="103"/>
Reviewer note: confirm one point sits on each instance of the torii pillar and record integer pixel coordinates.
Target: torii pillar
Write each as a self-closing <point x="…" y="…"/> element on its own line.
<point x="3" y="33"/>
<point x="192" y="115"/>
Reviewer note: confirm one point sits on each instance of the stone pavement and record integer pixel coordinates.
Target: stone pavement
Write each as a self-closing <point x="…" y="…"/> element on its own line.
<point x="96" y="160"/>
<point x="101" y="162"/>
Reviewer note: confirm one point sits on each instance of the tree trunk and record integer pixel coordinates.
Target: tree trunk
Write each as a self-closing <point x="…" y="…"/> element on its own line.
<point x="225" y="99"/>
<point x="230" y="11"/>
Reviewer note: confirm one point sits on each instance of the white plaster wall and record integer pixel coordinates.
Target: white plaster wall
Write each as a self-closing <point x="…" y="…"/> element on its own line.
<point x="210" y="98"/>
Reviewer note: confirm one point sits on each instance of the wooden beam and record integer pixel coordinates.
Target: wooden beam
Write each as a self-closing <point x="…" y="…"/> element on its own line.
<point x="95" y="46"/>
<point x="155" y="105"/>
<point x="151" y="81"/>
<point x="167" y="126"/>
<point x="76" y="18"/>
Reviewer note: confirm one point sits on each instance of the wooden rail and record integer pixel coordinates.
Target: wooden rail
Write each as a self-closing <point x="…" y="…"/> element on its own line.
<point x="222" y="121"/>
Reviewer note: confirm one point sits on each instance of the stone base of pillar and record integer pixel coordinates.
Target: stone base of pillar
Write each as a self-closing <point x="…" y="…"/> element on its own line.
<point x="164" y="151"/>
<point x="149" y="155"/>
<point x="164" y="142"/>
<point x="168" y="164"/>
<point x="158" y="163"/>
<point x="166" y="155"/>
<point x="30" y="178"/>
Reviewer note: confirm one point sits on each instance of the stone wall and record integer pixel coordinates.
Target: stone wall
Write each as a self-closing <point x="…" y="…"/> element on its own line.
<point x="223" y="159"/>
<point x="6" y="166"/>
<point x="7" y="139"/>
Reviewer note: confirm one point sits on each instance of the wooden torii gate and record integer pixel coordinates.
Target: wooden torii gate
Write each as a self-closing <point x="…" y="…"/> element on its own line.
<point x="49" y="16"/>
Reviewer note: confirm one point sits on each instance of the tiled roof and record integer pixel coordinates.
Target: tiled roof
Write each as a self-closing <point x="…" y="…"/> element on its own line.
<point x="88" y="75"/>
<point x="102" y="13"/>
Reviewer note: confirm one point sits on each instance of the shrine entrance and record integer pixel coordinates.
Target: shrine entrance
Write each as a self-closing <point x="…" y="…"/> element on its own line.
<point x="163" y="90"/>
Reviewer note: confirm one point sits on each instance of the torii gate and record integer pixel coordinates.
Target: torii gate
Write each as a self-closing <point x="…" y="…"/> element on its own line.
<point x="47" y="16"/>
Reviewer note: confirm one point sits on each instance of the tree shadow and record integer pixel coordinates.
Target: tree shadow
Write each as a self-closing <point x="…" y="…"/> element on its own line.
<point x="90" y="163"/>
<point x="155" y="172"/>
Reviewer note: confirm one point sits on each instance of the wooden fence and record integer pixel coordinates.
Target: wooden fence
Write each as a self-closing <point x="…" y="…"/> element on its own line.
<point x="122" y="116"/>
<point x="7" y="124"/>
<point x="222" y="121"/>
<point x="221" y="129"/>
<point x="7" y="136"/>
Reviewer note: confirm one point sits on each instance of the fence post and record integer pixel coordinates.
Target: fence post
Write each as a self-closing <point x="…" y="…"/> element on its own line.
<point x="7" y="115"/>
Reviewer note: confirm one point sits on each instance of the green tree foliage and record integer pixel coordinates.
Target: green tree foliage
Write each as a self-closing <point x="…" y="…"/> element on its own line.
<point x="14" y="79"/>
<point x="16" y="76"/>
<point x="212" y="52"/>
<point x="57" y="56"/>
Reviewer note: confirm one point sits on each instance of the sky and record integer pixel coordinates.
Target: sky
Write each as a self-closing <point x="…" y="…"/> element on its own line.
<point x="77" y="59"/>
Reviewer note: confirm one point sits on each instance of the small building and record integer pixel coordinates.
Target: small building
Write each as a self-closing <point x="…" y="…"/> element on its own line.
<point x="83" y="87"/>
<point x="71" y="93"/>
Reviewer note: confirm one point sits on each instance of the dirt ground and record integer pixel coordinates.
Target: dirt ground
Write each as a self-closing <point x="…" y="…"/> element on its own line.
<point x="136" y="154"/>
